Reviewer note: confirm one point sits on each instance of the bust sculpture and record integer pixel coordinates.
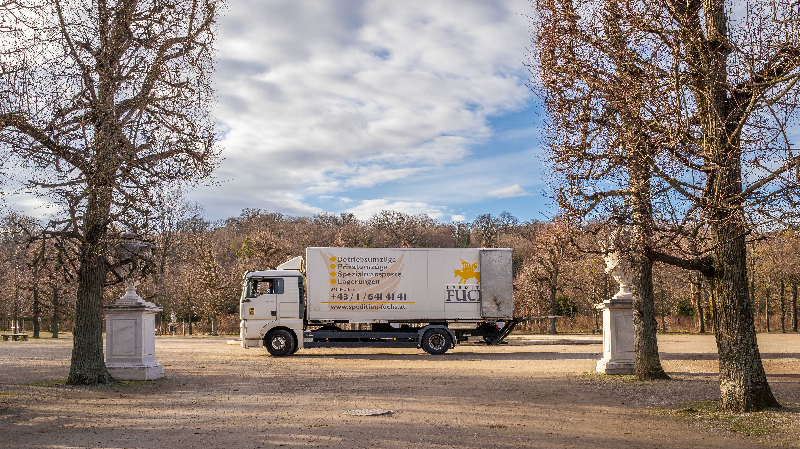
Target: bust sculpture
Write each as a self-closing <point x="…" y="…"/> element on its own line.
<point x="617" y="265"/>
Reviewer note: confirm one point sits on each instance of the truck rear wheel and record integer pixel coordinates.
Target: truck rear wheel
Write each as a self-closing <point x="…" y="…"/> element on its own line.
<point x="436" y="341"/>
<point x="280" y="343"/>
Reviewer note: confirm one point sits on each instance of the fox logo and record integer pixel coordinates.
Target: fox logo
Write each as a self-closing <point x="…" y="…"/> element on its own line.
<point x="467" y="271"/>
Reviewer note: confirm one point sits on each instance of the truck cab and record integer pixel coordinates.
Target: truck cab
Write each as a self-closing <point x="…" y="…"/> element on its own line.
<point x="272" y="300"/>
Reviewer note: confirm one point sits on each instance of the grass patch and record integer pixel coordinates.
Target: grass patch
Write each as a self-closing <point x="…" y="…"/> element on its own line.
<point x="51" y="383"/>
<point x="600" y="377"/>
<point x="116" y="385"/>
<point x="775" y="426"/>
<point x="752" y="424"/>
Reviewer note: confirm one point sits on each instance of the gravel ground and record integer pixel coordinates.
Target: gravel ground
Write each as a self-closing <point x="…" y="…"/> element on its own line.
<point x="537" y="391"/>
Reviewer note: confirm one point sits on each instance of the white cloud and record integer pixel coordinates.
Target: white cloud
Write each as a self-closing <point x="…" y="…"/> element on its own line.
<point x="508" y="192"/>
<point x="368" y="208"/>
<point x="370" y="175"/>
<point x="323" y="97"/>
<point x="230" y="204"/>
<point x="455" y="218"/>
<point x="29" y="204"/>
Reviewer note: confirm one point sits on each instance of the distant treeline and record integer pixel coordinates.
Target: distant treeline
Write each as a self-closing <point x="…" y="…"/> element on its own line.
<point x="195" y="267"/>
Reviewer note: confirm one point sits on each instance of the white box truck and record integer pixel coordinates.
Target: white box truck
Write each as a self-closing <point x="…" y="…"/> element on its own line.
<point x="400" y="297"/>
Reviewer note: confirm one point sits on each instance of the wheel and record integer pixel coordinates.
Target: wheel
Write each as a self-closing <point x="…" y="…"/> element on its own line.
<point x="489" y="340"/>
<point x="280" y="343"/>
<point x="436" y="341"/>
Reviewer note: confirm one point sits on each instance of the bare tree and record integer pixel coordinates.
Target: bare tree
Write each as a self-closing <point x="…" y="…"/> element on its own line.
<point x="37" y="262"/>
<point x="406" y="230"/>
<point x="487" y="228"/>
<point x="721" y="84"/>
<point x="598" y="141"/>
<point x="103" y="102"/>
<point x="14" y="268"/>
<point x="552" y="252"/>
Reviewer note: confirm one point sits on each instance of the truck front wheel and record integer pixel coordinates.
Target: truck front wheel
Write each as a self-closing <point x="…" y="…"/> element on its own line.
<point x="280" y="343"/>
<point x="436" y="341"/>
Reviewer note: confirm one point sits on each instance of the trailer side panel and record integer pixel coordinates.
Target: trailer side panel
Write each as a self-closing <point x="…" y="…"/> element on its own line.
<point x="397" y="284"/>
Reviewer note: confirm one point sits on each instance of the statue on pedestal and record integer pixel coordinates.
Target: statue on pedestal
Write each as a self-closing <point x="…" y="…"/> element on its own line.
<point x="618" y="342"/>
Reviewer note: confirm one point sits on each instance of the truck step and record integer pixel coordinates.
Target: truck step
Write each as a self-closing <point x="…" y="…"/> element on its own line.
<point x="359" y="334"/>
<point x="360" y="344"/>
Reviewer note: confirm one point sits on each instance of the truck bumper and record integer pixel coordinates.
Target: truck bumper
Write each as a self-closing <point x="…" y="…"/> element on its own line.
<point x="249" y="339"/>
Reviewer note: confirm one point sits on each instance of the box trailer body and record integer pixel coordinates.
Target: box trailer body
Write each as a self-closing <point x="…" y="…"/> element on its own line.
<point x="398" y="296"/>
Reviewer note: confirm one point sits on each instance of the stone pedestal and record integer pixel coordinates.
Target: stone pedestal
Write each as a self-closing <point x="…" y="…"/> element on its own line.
<point x="619" y="355"/>
<point x="618" y="349"/>
<point x="131" y="338"/>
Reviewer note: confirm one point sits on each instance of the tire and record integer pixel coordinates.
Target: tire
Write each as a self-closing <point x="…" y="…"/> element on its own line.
<point x="489" y="340"/>
<point x="280" y="343"/>
<point x="436" y="341"/>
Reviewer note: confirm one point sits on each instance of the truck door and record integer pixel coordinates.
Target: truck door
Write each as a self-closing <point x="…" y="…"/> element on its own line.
<point x="497" y="288"/>
<point x="263" y="299"/>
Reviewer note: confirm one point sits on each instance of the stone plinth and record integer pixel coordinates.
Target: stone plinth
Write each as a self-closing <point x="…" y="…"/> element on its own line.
<point x="619" y="356"/>
<point x="131" y="338"/>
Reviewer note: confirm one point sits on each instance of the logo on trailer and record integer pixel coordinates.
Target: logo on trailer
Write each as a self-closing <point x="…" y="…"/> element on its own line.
<point x="467" y="271"/>
<point x="463" y="292"/>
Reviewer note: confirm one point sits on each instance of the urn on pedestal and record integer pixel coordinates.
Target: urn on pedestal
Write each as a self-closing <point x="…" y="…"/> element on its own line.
<point x="130" y="323"/>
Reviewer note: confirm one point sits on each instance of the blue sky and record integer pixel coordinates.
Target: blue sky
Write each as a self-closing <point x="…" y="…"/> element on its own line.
<point x="360" y="106"/>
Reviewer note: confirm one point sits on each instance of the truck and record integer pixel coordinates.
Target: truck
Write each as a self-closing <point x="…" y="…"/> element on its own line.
<point x="429" y="298"/>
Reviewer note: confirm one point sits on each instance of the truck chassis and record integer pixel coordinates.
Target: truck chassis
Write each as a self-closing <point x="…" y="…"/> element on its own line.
<point x="435" y="338"/>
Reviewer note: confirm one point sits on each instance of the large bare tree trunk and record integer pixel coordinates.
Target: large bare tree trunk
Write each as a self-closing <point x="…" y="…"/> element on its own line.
<point x="88" y="364"/>
<point x="743" y="382"/>
<point x="645" y="326"/>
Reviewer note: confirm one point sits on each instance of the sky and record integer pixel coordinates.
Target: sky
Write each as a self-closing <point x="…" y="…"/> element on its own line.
<point x="360" y="106"/>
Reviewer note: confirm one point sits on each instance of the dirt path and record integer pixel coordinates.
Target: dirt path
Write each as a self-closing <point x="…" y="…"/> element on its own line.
<point x="525" y="394"/>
